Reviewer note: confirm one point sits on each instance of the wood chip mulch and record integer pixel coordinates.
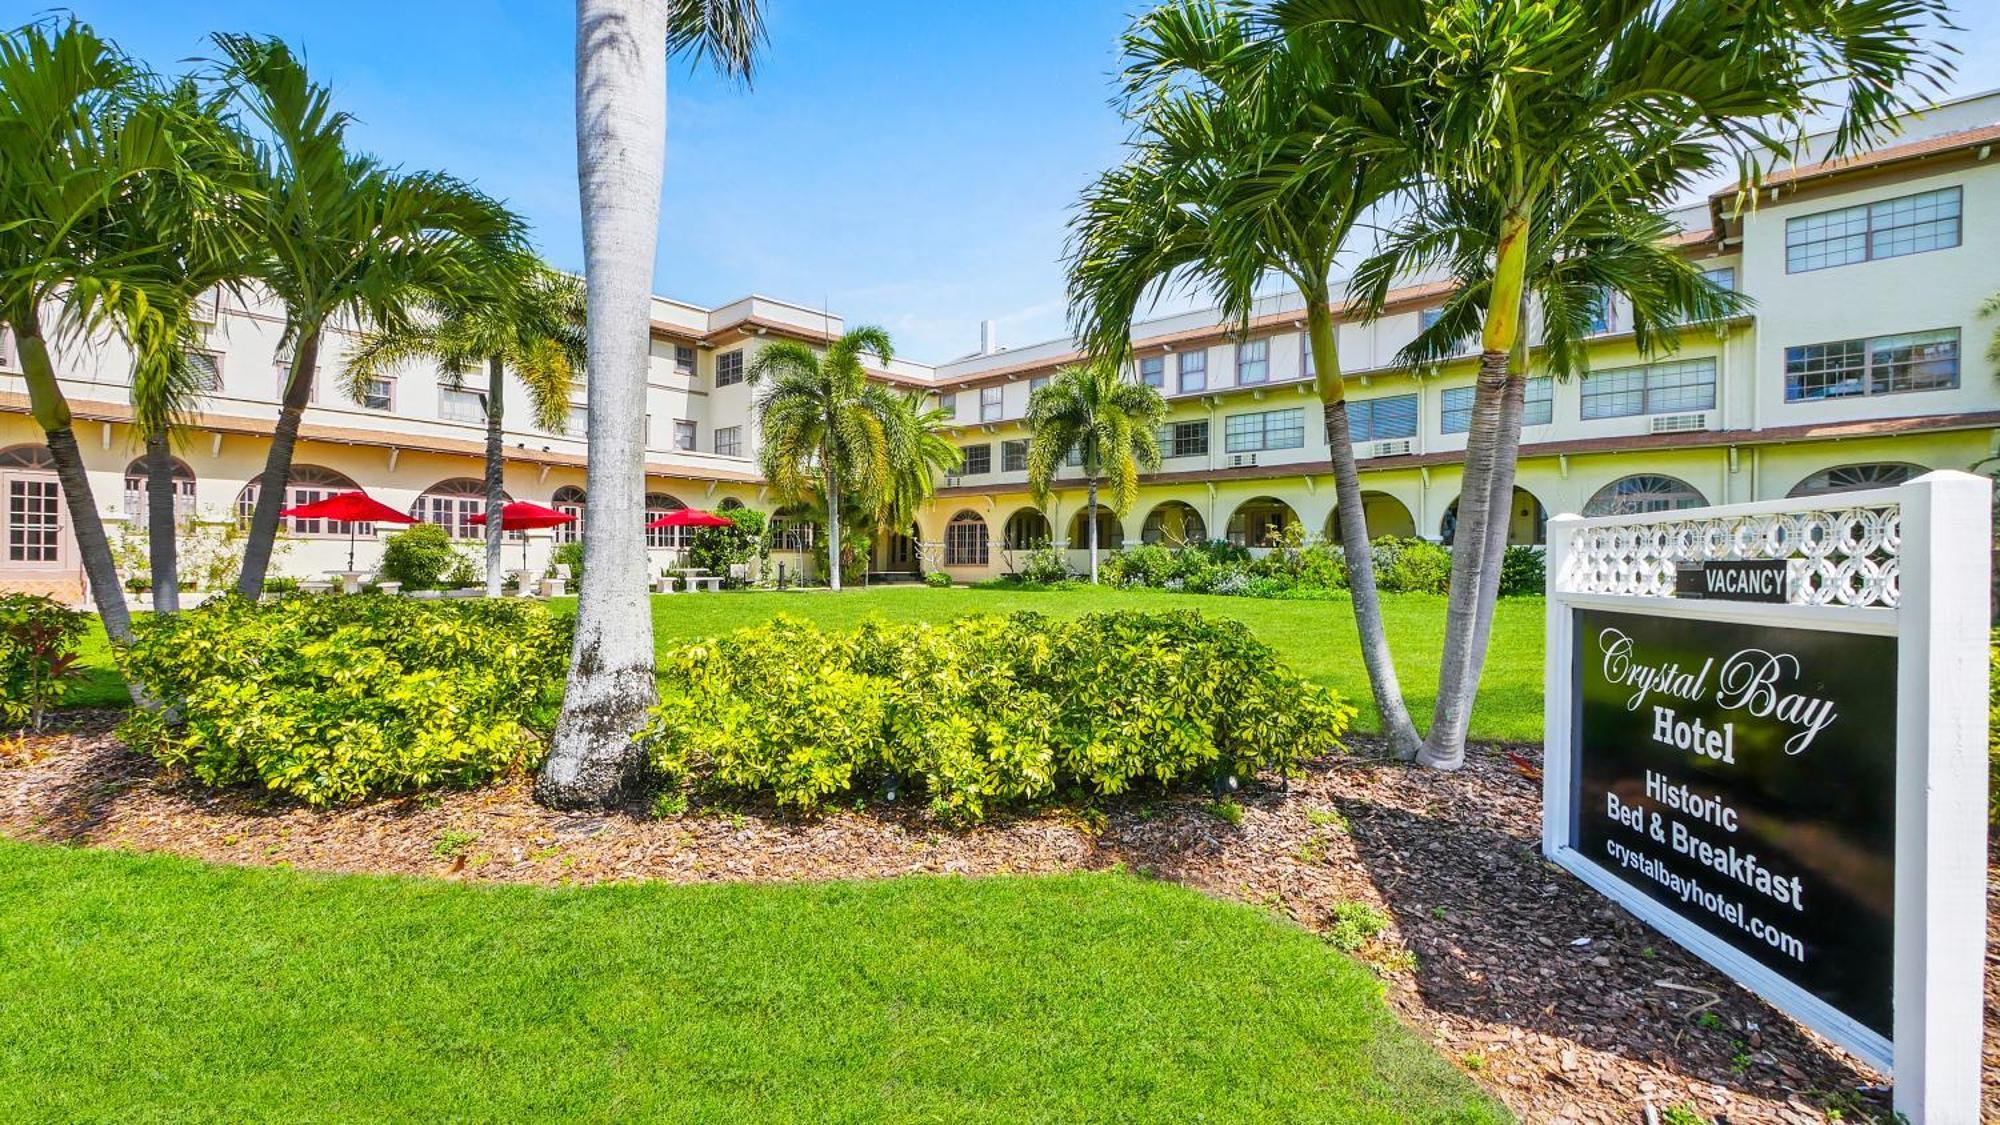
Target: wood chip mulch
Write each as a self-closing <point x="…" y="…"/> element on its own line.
<point x="1567" y="1008"/>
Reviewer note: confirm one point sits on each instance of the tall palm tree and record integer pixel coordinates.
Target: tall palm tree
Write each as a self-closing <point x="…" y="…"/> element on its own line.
<point x="1107" y="422"/>
<point x="827" y="428"/>
<point x="1518" y="98"/>
<point x="920" y="448"/>
<point x="524" y="316"/>
<point x="77" y="131"/>
<point x="622" y="48"/>
<point x="1222" y="110"/>
<point x="343" y="239"/>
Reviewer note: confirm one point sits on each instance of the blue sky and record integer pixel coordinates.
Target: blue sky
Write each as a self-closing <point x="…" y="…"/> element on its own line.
<point x="909" y="163"/>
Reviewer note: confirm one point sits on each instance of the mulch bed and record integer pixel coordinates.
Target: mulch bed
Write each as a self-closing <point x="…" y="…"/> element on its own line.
<point x="1565" y="1007"/>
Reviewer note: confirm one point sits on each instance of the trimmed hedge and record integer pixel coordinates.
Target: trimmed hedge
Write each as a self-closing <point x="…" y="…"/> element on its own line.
<point x="984" y="711"/>
<point x="331" y="699"/>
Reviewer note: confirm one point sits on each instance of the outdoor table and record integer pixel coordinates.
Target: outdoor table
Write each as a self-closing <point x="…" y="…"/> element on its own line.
<point x="350" y="580"/>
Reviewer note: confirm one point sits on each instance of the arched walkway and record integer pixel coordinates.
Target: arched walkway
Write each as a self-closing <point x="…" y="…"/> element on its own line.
<point x="1110" y="531"/>
<point x="1527" y="521"/>
<point x="308" y="483"/>
<point x="966" y="540"/>
<point x="1641" y="493"/>
<point x="1853" y="478"/>
<point x="1385" y="516"/>
<point x="1261" y="522"/>
<point x="1174" y="524"/>
<point x="137" y="509"/>
<point x="1026" y="530"/>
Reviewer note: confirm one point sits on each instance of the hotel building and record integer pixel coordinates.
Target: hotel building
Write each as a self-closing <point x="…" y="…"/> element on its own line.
<point x="1861" y="361"/>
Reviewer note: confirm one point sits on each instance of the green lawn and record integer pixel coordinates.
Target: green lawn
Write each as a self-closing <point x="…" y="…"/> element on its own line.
<point x="1317" y="637"/>
<point x="163" y="989"/>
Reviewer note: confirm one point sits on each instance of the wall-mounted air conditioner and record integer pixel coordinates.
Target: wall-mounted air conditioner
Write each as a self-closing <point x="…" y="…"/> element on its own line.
<point x="1680" y="423"/>
<point x="1395" y="447"/>
<point x="1242" y="460"/>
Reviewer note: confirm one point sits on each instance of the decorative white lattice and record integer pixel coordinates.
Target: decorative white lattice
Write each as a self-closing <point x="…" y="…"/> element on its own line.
<point x="1839" y="556"/>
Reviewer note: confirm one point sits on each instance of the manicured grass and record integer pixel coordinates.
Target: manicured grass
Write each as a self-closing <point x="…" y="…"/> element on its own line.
<point x="1317" y="637"/>
<point x="158" y="988"/>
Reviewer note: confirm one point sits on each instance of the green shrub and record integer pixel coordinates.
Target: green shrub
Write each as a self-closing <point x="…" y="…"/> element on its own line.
<point x="336" y="699"/>
<point x="984" y="711"/>
<point x="569" y="555"/>
<point x="1148" y="565"/>
<point x="716" y="549"/>
<point x="1523" y="572"/>
<point x="279" y="585"/>
<point x="38" y="649"/>
<point x="1043" y="565"/>
<point x="1411" y="566"/>
<point x="421" y="557"/>
<point x="937" y="580"/>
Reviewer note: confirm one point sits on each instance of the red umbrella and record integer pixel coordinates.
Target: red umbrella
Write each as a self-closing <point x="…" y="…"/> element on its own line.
<point x="349" y="508"/>
<point x="691" y="517"/>
<point x="520" y="515"/>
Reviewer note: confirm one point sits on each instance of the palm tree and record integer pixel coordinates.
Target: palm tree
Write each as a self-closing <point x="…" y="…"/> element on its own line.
<point x="77" y="130"/>
<point x="342" y="239"/>
<point x="1107" y="423"/>
<point x="1222" y="109"/>
<point x="920" y="448"/>
<point x="1518" y="98"/>
<point x="622" y="48"/>
<point x="827" y="428"/>
<point x="524" y="316"/>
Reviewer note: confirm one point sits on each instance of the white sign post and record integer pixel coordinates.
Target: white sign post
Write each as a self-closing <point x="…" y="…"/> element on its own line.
<point x="1766" y="737"/>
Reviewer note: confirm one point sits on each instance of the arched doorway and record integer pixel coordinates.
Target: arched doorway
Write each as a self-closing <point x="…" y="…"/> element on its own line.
<point x="1527" y="521"/>
<point x="1110" y="531"/>
<point x="1642" y="493"/>
<point x="569" y="500"/>
<point x="1261" y="522"/>
<point x="451" y="504"/>
<point x="965" y="540"/>
<point x="1174" y="524"/>
<point x="1385" y="515"/>
<point x="1854" y="478"/>
<point x="1026" y="530"/>
<point x="308" y="483"/>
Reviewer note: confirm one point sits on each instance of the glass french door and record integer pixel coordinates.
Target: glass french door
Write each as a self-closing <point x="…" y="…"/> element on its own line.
<point x="36" y="538"/>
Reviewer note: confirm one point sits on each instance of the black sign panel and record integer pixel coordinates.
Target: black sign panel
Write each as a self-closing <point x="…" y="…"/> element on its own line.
<point x="1736" y="580"/>
<point x="1744" y="777"/>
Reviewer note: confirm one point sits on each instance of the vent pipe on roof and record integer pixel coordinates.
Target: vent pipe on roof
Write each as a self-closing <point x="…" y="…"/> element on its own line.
<point x="989" y="337"/>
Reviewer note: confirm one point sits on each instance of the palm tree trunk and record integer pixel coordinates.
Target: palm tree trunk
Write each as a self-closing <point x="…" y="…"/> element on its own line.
<point x="1092" y="510"/>
<point x="621" y="125"/>
<point x="1444" y="745"/>
<point x="51" y="411"/>
<point x="277" y="477"/>
<point x="162" y="552"/>
<point x="832" y="524"/>
<point x="1397" y="728"/>
<point x="496" y="498"/>
<point x="1507" y="455"/>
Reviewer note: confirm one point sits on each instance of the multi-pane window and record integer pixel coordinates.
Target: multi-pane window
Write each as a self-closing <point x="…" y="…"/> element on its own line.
<point x="1014" y="456"/>
<point x="989" y="404"/>
<point x="684" y="359"/>
<point x="1537" y="406"/>
<point x="1377" y="419"/>
<point x="452" y="504"/>
<point x="729" y="368"/>
<point x="7" y="349"/>
<point x="378" y="395"/>
<point x="1193" y="369"/>
<point x="1908" y="224"/>
<point x="1253" y="362"/>
<point x="1184" y="439"/>
<point x="309" y="484"/>
<point x="456" y="404"/>
<point x="659" y="504"/>
<point x="948" y="404"/>
<point x="1656" y="388"/>
<point x="1913" y="361"/>
<point x="569" y="500"/>
<point x="965" y="540"/>
<point x="1426" y="318"/>
<point x="576" y="423"/>
<point x="138" y="503"/>
<point x="729" y="441"/>
<point x="1268" y="429"/>
<point x="684" y="435"/>
<point x="1306" y="355"/>
<point x="1722" y="277"/>
<point x="978" y="458"/>
<point x="34" y="520"/>
<point x="1153" y="371"/>
<point x="206" y="370"/>
<point x="1037" y="382"/>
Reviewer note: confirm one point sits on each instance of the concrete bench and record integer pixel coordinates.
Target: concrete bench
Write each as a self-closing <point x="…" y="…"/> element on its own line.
<point x="665" y="584"/>
<point x="711" y="584"/>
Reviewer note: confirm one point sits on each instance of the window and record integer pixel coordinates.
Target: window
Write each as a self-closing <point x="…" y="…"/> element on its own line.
<point x="1637" y="495"/>
<point x="978" y="459"/>
<point x="6" y="349"/>
<point x="1013" y="456"/>
<point x="569" y="500"/>
<point x="989" y="404"/>
<point x="1909" y="224"/>
<point x="309" y="483"/>
<point x="1850" y="478"/>
<point x="137" y="506"/>
<point x="684" y="359"/>
<point x="729" y="368"/>
<point x="1153" y="371"/>
<point x="1253" y="362"/>
<point x="1603" y="316"/>
<point x="577" y="424"/>
<point x="1184" y="439"/>
<point x="451" y="504"/>
<point x="1722" y="277"/>
<point x="1537" y="408"/>
<point x="456" y="404"/>
<point x="1306" y="355"/>
<point x="1175" y="524"/>
<point x="206" y="367"/>
<point x="1037" y="382"/>
<point x="948" y="404"/>
<point x="1193" y="371"/>
<point x="729" y="441"/>
<point x="1374" y="419"/>
<point x="659" y="504"/>
<point x="1658" y="388"/>
<point x="684" y="435"/>
<point x="379" y="394"/>
<point x="1269" y="429"/>
<point x="1914" y="361"/>
<point x="791" y="533"/>
<point x="965" y="541"/>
